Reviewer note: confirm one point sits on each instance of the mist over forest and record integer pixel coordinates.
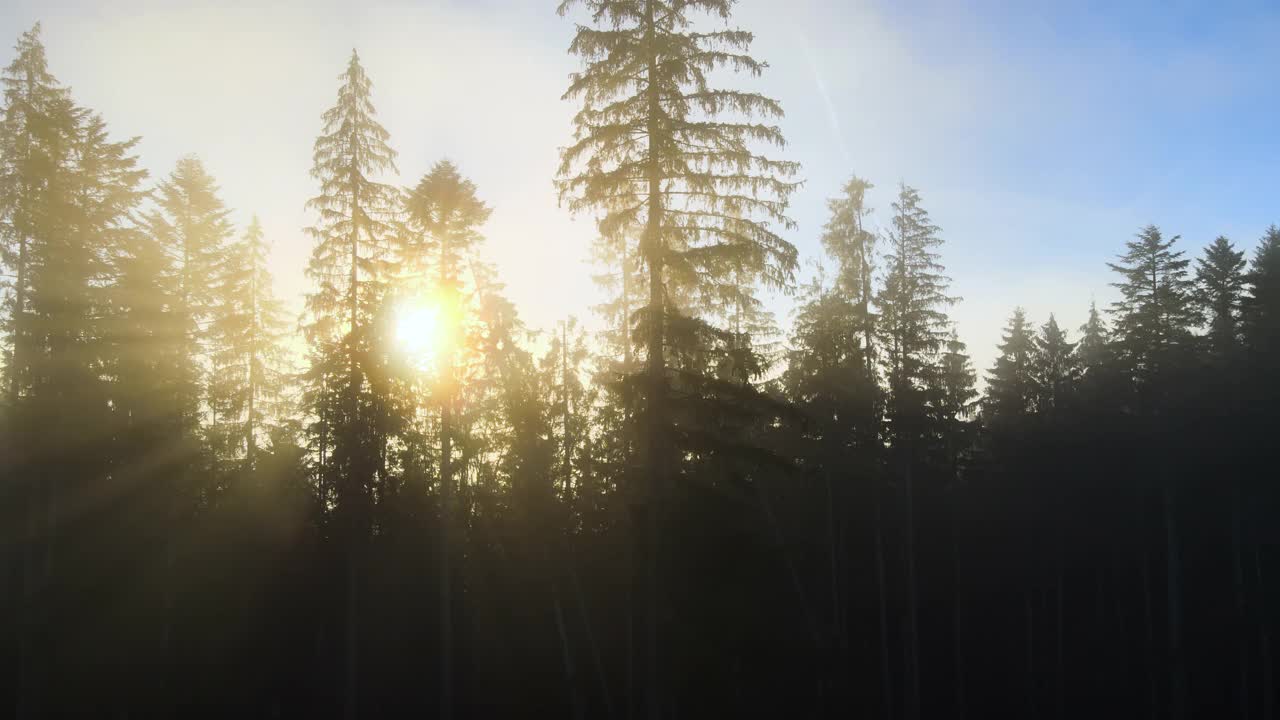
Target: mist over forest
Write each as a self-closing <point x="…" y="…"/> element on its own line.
<point x="397" y="497"/>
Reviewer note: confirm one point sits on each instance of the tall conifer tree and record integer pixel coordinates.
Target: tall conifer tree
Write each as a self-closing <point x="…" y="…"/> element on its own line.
<point x="190" y="224"/>
<point x="1219" y="293"/>
<point x="912" y="307"/>
<point x="955" y="398"/>
<point x="912" y="326"/>
<point x="349" y="269"/>
<point x="1153" y="325"/>
<point x="86" y="206"/>
<point x="1262" y="306"/>
<point x="848" y="241"/>
<point x="1094" y="346"/>
<point x="37" y="120"/>
<point x="1011" y="382"/>
<point x="443" y="216"/>
<point x="249" y="363"/>
<point x="1056" y="368"/>
<point x="659" y="147"/>
<point x="1154" y="315"/>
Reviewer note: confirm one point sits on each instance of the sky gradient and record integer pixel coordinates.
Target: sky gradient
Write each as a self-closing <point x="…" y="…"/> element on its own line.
<point x="1041" y="135"/>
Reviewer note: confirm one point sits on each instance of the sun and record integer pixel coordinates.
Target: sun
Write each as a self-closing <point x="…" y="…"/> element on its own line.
<point x="420" y="333"/>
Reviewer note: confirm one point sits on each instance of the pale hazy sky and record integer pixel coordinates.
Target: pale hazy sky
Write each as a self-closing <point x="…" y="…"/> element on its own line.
<point x="1041" y="137"/>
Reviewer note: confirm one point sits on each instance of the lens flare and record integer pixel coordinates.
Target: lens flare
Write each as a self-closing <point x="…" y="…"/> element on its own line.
<point x="420" y="333"/>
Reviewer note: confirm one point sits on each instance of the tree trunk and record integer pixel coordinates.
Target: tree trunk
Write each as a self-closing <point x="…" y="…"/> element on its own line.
<point x="27" y="690"/>
<point x="1102" y="637"/>
<point x="886" y="675"/>
<point x="446" y="569"/>
<point x="1242" y="622"/>
<point x="1149" y="658"/>
<point x="634" y="705"/>
<point x="1029" y="612"/>
<point x="1264" y="639"/>
<point x="30" y="658"/>
<point x="356" y="468"/>
<point x="251" y="441"/>
<point x="566" y="656"/>
<point x="957" y="622"/>
<point x="913" y="628"/>
<point x="18" y="358"/>
<point x="1177" y="666"/>
<point x="647" y="538"/>
<point x="350" y="705"/>
<point x="1060" y="669"/>
<point x="834" y="552"/>
<point x="605" y="695"/>
<point x="626" y="307"/>
<point x="564" y="418"/>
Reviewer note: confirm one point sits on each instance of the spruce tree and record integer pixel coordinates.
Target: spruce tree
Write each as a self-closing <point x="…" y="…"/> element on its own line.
<point x="912" y="326"/>
<point x="852" y="246"/>
<point x="191" y="228"/>
<point x="659" y="147"/>
<point x="443" y="216"/>
<point x="570" y="399"/>
<point x="349" y="269"/>
<point x="1094" y="347"/>
<point x="34" y="129"/>
<point x="37" y="125"/>
<point x="249" y="362"/>
<point x="1154" y="315"/>
<point x="1153" y="325"/>
<point x="86" y="207"/>
<point x="1055" y="366"/>
<point x="1011" y="382"/>
<point x="955" y="399"/>
<point x="1262" y="306"/>
<point x="826" y="369"/>
<point x="912" y="318"/>
<point x="1219" y="293"/>
<point x="190" y="224"/>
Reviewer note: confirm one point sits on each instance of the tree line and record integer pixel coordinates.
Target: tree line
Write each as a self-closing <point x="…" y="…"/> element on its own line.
<point x="405" y="501"/>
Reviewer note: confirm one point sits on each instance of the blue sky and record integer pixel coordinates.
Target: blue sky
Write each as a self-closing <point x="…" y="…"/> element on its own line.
<point x="1041" y="135"/>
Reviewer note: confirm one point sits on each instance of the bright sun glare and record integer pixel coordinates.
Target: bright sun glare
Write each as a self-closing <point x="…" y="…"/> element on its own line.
<point x="420" y="333"/>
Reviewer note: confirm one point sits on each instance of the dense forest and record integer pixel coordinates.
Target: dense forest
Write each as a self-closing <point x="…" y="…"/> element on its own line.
<point x="405" y="501"/>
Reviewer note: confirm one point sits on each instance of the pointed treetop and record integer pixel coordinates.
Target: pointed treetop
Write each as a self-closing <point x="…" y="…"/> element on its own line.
<point x="29" y="65"/>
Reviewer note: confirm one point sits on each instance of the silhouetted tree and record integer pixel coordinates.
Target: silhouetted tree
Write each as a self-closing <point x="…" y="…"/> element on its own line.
<point x="1154" y="315"/>
<point x="1262" y="306"/>
<point x="1011" y="386"/>
<point x="443" y="215"/>
<point x="36" y="131"/>
<point x="191" y="226"/>
<point x="1094" y="346"/>
<point x="1219" y="292"/>
<point x="913" y="327"/>
<point x="353" y="243"/>
<point x="85" y="205"/>
<point x="847" y="241"/>
<point x="250" y="368"/>
<point x="38" y="116"/>
<point x="670" y="514"/>
<point x="658" y="146"/>
<point x="1154" y="318"/>
<point x="1055" y="365"/>
<point x="955" y="400"/>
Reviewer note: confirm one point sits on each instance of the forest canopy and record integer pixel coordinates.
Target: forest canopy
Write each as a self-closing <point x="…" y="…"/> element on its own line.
<point x="405" y="500"/>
